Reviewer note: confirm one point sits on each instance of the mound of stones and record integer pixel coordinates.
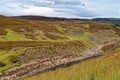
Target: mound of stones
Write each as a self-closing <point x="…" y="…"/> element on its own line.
<point x="36" y="66"/>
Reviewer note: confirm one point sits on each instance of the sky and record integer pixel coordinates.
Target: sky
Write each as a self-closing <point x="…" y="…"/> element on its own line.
<point x="62" y="8"/>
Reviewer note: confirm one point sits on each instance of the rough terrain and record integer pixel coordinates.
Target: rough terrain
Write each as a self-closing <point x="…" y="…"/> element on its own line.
<point x="33" y="46"/>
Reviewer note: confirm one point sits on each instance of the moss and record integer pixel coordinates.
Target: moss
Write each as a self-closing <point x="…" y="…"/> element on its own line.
<point x="80" y="37"/>
<point x="74" y="37"/>
<point x="9" y="58"/>
<point x="12" y="36"/>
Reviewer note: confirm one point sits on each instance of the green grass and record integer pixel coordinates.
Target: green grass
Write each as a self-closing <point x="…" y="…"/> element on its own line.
<point x="94" y="69"/>
<point x="5" y="58"/>
<point x="118" y="27"/>
<point x="80" y="37"/>
<point x="104" y="68"/>
<point x="74" y="37"/>
<point x="117" y="48"/>
<point x="12" y="36"/>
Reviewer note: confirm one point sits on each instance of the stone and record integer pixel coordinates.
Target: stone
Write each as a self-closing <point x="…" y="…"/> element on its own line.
<point x="0" y="74"/>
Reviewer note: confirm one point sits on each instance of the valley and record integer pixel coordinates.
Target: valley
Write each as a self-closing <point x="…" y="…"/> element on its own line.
<point x="29" y="47"/>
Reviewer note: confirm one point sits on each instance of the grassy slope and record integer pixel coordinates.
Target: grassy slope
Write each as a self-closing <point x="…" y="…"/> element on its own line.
<point x="5" y="57"/>
<point x="12" y="36"/>
<point x="104" y="68"/>
<point x="23" y="30"/>
<point x="8" y="26"/>
<point x="10" y="31"/>
<point x="7" y="33"/>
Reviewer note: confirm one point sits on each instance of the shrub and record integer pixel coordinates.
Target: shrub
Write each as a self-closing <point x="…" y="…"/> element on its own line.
<point x="13" y="58"/>
<point x="2" y="64"/>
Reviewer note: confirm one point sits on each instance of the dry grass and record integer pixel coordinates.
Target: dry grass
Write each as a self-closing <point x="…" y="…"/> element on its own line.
<point x="108" y="47"/>
<point x="27" y="29"/>
<point x="24" y="33"/>
<point x="104" y="68"/>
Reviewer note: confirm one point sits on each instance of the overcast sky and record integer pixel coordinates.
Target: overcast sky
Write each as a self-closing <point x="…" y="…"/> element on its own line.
<point x="61" y="8"/>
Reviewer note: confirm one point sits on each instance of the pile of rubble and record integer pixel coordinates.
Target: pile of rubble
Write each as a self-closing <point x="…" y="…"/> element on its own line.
<point x="36" y="66"/>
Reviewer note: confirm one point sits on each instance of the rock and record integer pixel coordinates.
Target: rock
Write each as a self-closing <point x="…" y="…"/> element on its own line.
<point x="0" y="74"/>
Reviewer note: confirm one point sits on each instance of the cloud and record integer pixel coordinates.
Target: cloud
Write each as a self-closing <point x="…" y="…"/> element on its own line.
<point x="37" y="10"/>
<point x="61" y="8"/>
<point x="104" y="8"/>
